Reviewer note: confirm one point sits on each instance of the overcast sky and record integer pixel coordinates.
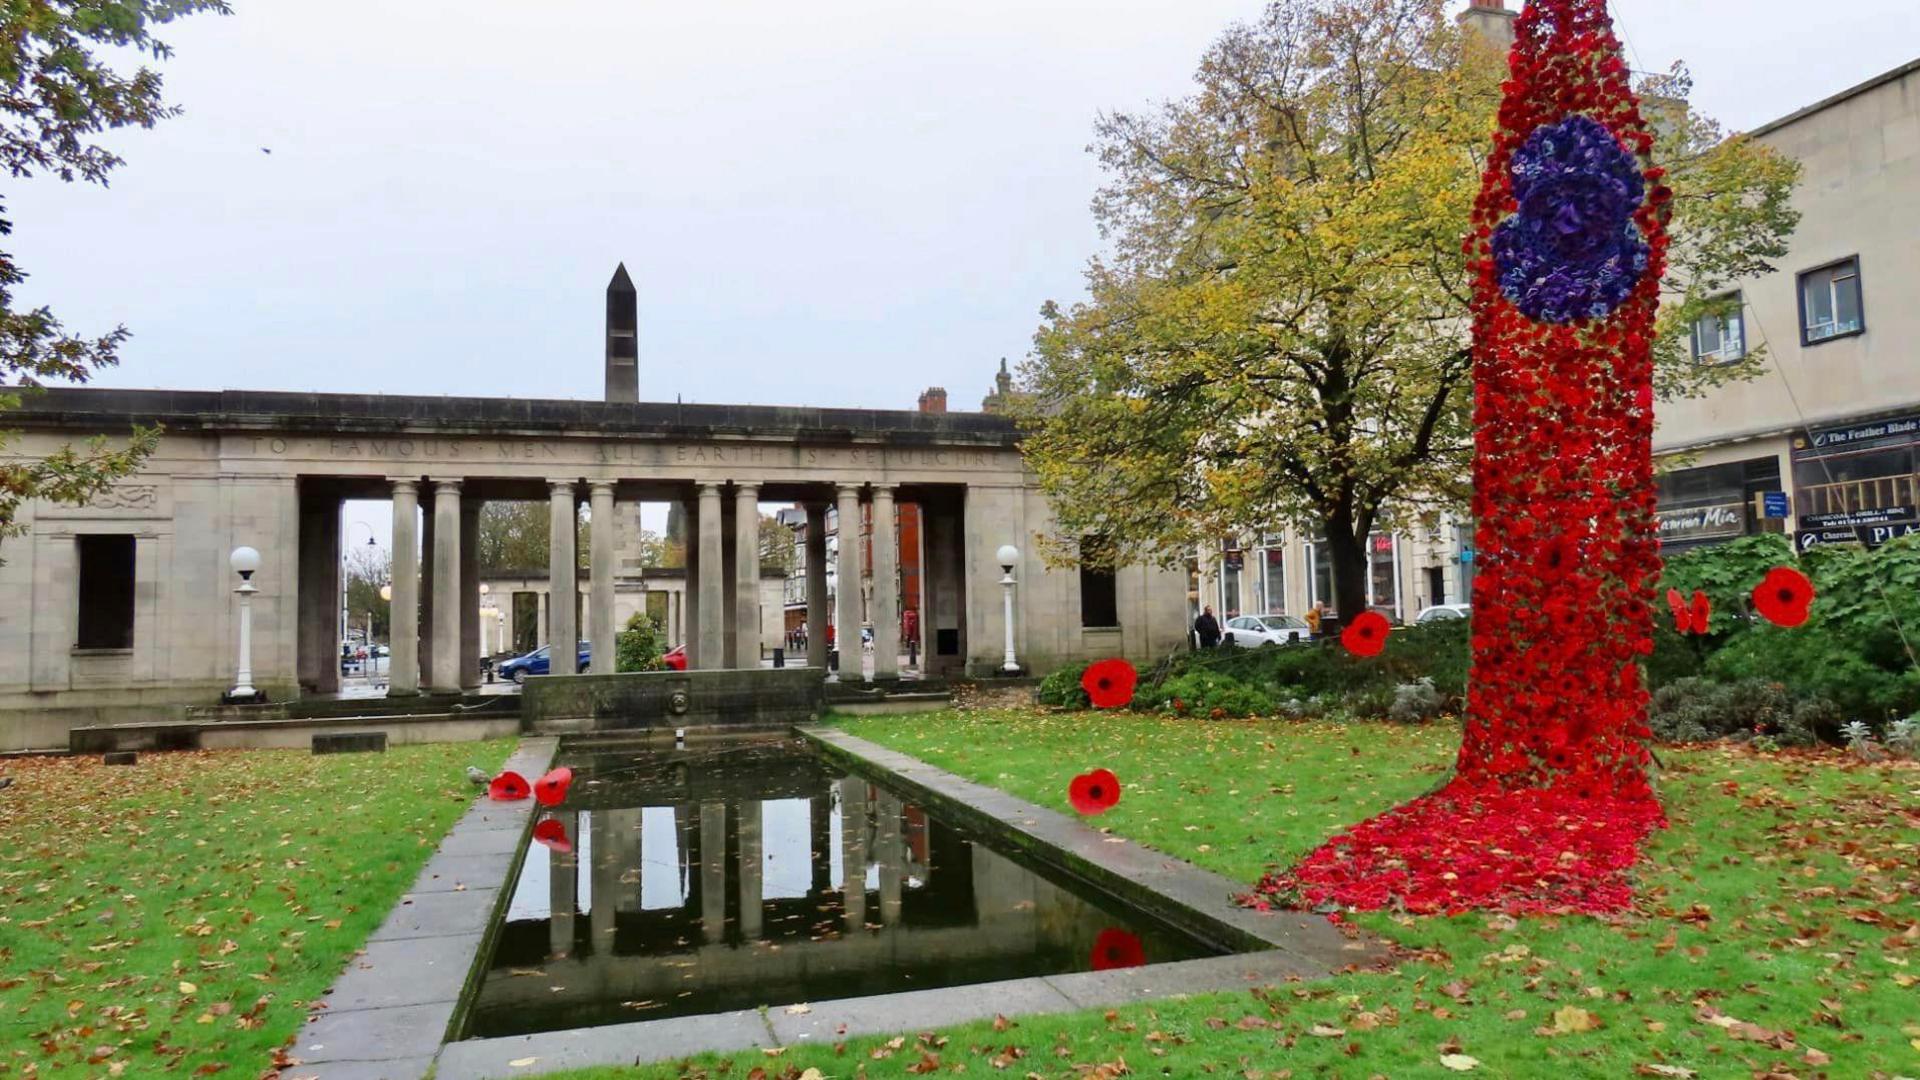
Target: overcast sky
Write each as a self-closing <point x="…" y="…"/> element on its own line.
<point x="833" y="203"/>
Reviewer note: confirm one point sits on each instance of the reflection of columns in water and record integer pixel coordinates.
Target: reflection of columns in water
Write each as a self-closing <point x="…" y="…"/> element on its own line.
<point x="819" y="842"/>
<point x="891" y="853"/>
<point x="713" y="871"/>
<point x="683" y="849"/>
<point x="606" y="876"/>
<point x="853" y="851"/>
<point x="563" y="888"/>
<point x="627" y="847"/>
<point x="751" y="904"/>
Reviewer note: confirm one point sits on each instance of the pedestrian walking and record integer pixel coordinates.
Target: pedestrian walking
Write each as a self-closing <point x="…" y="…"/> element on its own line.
<point x="1206" y="628"/>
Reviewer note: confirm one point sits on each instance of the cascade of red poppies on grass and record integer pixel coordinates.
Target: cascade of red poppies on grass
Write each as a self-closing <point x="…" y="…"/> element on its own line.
<point x="1550" y="798"/>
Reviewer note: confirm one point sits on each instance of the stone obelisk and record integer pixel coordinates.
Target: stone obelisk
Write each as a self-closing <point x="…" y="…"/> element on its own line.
<point x="623" y="338"/>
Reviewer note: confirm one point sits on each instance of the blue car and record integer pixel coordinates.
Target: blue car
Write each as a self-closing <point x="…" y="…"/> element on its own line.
<point x="539" y="662"/>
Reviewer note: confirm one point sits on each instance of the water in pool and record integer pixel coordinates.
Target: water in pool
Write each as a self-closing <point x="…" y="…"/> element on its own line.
<point x="743" y="873"/>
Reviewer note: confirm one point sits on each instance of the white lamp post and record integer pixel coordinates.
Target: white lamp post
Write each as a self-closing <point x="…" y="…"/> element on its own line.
<point x="245" y="561"/>
<point x="1008" y="556"/>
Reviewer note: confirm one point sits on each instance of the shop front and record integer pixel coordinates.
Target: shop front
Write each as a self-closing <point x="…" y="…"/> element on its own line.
<point x="1858" y="483"/>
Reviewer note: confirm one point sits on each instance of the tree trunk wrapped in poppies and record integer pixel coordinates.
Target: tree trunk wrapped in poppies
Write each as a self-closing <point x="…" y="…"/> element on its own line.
<point x="1550" y="797"/>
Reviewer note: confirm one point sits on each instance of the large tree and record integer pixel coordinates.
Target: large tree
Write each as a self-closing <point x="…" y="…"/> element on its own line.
<point x="1278" y="332"/>
<point x="56" y="96"/>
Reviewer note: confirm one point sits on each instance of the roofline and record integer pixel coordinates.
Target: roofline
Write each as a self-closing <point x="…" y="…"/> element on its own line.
<point x="1896" y="74"/>
<point x="98" y="408"/>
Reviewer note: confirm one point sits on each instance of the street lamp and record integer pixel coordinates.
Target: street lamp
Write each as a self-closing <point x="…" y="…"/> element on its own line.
<point x="1008" y="556"/>
<point x="244" y="561"/>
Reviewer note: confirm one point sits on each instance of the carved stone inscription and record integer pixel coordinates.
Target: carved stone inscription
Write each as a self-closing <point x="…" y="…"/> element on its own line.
<point x="648" y="455"/>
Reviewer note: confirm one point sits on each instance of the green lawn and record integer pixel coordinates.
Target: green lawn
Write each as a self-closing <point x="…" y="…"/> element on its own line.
<point x="1779" y="932"/>
<point x="173" y="918"/>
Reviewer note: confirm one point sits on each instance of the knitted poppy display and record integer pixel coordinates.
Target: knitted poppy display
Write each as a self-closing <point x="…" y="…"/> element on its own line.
<point x="1109" y="683"/>
<point x="1117" y="948"/>
<point x="1785" y="597"/>
<point x="1550" y="798"/>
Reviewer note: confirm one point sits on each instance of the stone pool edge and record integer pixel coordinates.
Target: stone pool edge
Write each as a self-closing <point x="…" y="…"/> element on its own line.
<point x="1172" y="890"/>
<point x="404" y="992"/>
<point x="1268" y="948"/>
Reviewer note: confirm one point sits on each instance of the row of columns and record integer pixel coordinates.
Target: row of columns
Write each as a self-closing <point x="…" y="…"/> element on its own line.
<point x="722" y="604"/>
<point x="619" y="862"/>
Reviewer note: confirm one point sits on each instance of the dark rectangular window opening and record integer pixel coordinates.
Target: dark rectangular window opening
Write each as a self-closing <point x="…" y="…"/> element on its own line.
<point x="1830" y="305"/>
<point x="1099" y="592"/>
<point x="106" y="592"/>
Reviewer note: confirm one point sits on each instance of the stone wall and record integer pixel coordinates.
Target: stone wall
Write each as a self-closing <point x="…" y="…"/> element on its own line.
<point x="640" y="700"/>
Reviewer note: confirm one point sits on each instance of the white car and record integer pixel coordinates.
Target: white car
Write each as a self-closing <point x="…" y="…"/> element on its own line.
<point x="1253" y="631"/>
<point x="1442" y="613"/>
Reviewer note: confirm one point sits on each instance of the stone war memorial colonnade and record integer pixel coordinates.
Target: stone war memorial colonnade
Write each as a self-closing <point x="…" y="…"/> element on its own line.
<point x="122" y="610"/>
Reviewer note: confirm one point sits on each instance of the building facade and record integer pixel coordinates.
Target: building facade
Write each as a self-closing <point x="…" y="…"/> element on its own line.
<point x="1825" y="444"/>
<point x="124" y="609"/>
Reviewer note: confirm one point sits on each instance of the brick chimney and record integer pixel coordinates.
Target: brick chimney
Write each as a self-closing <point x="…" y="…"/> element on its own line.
<point x="934" y="400"/>
<point x="1491" y="20"/>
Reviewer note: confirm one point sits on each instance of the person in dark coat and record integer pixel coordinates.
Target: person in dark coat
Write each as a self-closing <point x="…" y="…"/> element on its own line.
<point x="1207" y="628"/>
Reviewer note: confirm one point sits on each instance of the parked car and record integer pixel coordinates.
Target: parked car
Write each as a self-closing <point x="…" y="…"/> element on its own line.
<point x="675" y="658"/>
<point x="1442" y="613"/>
<point x="539" y="662"/>
<point x="1253" y="631"/>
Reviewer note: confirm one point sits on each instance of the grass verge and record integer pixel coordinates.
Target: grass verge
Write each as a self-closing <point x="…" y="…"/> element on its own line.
<point x="173" y="918"/>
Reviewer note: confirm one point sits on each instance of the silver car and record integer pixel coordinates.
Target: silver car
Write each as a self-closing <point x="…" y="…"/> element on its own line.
<point x="1442" y="613"/>
<point x="1253" y="631"/>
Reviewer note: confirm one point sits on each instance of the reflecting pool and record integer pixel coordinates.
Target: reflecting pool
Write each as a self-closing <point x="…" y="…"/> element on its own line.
<point x="752" y="872"/>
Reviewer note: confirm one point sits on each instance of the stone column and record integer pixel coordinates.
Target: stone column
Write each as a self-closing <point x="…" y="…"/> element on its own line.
<point x="713" y="872"/>
<point x="816" y="585"/>
<point x="563" y="574"/>
<point x="713" y="589"/>
<point x="602" y="571"/>
<point x="542" y="619"/>
<point x="471" y="645"/>
<point x="403" y="665"/>
<point x="886" y="586"/>
<point x="746" y="576"/>
<point x="846" y="603"/>
<point x="752" y="903"/>
<point x="690" y="600"/>
<point x="444" y="676"/>
<point x="427" y="539"/>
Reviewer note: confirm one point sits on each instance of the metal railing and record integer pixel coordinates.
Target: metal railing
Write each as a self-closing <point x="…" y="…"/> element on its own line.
<point x="1849" y="496"/>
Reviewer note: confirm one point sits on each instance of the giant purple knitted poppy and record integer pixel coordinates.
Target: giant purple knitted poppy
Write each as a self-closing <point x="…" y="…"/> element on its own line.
<point x="1571" y="251"/>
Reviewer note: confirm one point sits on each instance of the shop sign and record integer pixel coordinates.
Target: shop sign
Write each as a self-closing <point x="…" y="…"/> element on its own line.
<point x="1702" y="522"/>
<point x="1869" y="527"/>
<point x="1774" y="505"/>
<point x="1820" y="442"/>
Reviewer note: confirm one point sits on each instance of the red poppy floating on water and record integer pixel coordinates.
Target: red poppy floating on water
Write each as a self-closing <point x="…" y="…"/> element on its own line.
<point x="551" y="789"/>
<point x="553" y="833"/>
<point x="509" y="786"/>
<point x="1109" y="683"/>
<point x="1784" y="597"/>
<point x="1116" y="948"/>
<point x="1367" y="634"/>
<point x="1095" y="792"/>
